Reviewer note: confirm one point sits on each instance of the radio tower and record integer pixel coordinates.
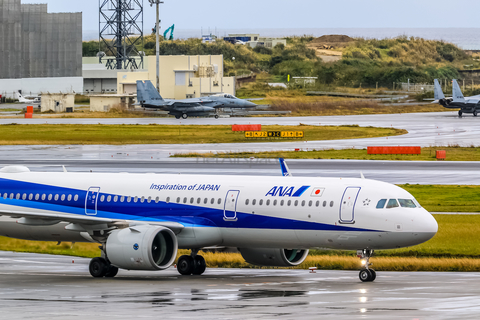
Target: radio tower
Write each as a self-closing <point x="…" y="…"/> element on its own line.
<point x="120" y="30"/>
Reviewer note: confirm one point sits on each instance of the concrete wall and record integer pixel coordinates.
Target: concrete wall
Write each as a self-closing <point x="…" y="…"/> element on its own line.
<point x="35" y="43"/>
<point x="103" y="103"/>
<point x="57" y="102"/>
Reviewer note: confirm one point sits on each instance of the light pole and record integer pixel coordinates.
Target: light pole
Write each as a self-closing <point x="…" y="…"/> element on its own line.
<point x="157" y="27"/>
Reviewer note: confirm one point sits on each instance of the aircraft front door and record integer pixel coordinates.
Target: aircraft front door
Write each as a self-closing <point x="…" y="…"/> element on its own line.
<point x="91" y="201"/>
<point x="347" y="205"/>
<point x="230" y="205"/>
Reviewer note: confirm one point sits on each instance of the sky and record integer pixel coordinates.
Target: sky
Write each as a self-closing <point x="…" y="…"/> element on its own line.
<point x="247" y="15"/>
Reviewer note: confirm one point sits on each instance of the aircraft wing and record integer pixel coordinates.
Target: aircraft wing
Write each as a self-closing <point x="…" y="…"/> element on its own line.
<point x="39" y="219"/>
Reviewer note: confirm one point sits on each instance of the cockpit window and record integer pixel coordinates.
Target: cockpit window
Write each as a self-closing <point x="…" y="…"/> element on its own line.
<point x="381" y="203"/>
<point x="392" y="203"/>
<point x="407" y="203"/>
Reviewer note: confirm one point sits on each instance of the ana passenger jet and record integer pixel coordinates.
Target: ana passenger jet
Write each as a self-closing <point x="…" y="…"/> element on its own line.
<point x="140" y="220"/>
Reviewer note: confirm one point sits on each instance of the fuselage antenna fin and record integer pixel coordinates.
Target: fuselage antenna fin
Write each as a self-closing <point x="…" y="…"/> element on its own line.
<point x="64" y="169"/>
<point x="361" y="175"/>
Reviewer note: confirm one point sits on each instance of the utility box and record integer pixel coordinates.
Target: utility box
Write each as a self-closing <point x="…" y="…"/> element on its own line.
<point x="57" y="102"/>
<point x="441" y="154"/>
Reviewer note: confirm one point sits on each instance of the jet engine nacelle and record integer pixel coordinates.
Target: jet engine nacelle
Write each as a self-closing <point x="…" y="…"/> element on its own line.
<point x="143" y="247"/>
<point x="274" y="257"/>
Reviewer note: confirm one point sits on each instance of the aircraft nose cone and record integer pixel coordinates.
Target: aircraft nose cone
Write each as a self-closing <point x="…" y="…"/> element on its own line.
<point x="427" y="227"/>
<point x="250" y="104"/>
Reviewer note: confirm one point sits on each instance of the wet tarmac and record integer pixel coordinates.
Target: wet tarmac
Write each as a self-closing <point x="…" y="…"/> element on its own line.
<point x="58" y="287"/>
<point x="424" y="129"/>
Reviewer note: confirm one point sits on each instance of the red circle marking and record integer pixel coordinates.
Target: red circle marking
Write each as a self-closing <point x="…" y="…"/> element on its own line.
<point x="317" y="191"/>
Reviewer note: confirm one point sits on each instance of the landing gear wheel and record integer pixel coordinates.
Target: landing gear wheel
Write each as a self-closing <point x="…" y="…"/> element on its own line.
<point x="177" y="117"/>
<point x="98" y="267"/>
<point x="185" y="265"/>
<point x="365" y="275"/>
<point x="199" y="265"/>
<point x="216" y="116"/>
<point x="460" y="113"/>
<point x="374" y="274"/>
<point x="474" y="113"/>
<point x="112" y="272"/>
<point x="184" y="116"/>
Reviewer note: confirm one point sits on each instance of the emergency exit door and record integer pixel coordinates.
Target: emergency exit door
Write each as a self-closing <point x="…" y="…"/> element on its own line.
<point x="230" y="205"/>
<point x="347" y="205"/>
<point x="91" y="201"/>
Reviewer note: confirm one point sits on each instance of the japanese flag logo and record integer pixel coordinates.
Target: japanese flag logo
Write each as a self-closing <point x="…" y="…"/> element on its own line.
<point x="317" y="192"/>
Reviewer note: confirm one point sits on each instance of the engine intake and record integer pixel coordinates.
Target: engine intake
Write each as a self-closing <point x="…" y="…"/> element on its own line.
<point x="142" y="247"/>
<point x="274" y="257"/>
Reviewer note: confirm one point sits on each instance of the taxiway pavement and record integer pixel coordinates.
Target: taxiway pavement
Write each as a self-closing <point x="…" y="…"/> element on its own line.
<point x="59" y="287"/>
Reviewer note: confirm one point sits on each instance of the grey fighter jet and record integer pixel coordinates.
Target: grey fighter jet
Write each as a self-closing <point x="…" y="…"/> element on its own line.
<point x="466" y="104"/>
<point x="148" y="97"/>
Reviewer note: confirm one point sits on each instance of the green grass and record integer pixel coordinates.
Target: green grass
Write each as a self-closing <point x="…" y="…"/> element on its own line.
<point x="453" y="153"/>
<point x="13" y="134"/>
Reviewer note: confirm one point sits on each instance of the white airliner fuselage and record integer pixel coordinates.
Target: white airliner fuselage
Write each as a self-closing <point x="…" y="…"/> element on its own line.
<point x="267" y="218"/>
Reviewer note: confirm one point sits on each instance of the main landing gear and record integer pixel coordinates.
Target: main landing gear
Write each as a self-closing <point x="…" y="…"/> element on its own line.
<point x="100" y="267"/>
<point x="192" y="264"/>
<point x="460" y="113"/>
<point x="366" y="274"/>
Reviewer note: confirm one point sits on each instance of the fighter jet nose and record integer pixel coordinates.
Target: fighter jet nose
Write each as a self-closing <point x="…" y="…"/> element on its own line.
<point x="251" y="104"/>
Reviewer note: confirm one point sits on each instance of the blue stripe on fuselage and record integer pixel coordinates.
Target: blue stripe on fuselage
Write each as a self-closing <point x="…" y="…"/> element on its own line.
<point x="187" y="214"/>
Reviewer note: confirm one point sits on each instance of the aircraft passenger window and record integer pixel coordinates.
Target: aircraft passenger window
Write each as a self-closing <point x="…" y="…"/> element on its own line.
<point x="381" y="203"/>
<point x="24" y="196"/>
<point x="267" y="202"/>
<point x="282" y="202"/>
<point x="331" y="203"/>
<point x="246" y="202"/>
<point x="157" y="199"/>
<point x="219" y="201"/>
<point x="260" y="202"/>
<point x="317" y="204"/>
<point x="392" y="203"/>
<point x="135" y="199"/>
<point x="324" y="203"/>
<point x="199" y="200"/>
<point x="5" y="195"/>
<point x="75" y="198"/>
<point x="254" y="201"/>
<point x="115" y="199"/>
<point x="142" y="199"/>
<point x="185" y="200"/>
<point x="167" y="200"/>
<point x="129" y="199"/>
<point x="178" y="199"/>
<point x="50" y="197"/>
<point x="63" y="197"/>
<point x="212" y="201"/>
<point x="56" y="197"/>
<point x="289" y="202"/>
<point x="102" y="198"/>
<point x="310" y="203"/>
<point x="149" y="199"/>
<point x="122" y="198"/>
<point x="274" y="202"/>
<point x="296" y="203"/>
<point x="303" y="203"/>
<point x="407" y="203"/>
<point x="30" y="196"/>
<point x="109" y="198"/>
<point x="69" y="198"/>
<point x="11" y="195"/>
<point x="43" y="196"/>
<point x="205" y="201"/>
<point x="191" y="200"/>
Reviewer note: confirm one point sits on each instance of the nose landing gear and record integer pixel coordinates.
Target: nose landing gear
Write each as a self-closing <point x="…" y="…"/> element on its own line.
<point x="366" y="274"/>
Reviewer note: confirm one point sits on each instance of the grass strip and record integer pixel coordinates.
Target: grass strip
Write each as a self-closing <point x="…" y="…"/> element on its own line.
<point x="15" y="134"/>
<point x="453" y="153"/>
